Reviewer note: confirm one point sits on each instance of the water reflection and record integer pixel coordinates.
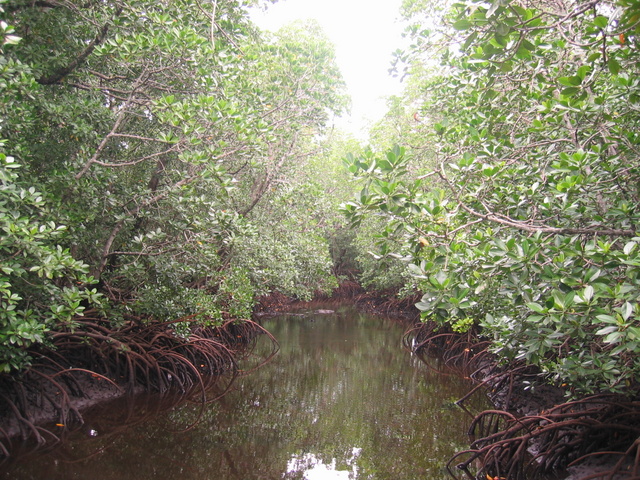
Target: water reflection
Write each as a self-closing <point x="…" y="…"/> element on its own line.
<point x="341" y="400"/>
<point x="313" y="468"/>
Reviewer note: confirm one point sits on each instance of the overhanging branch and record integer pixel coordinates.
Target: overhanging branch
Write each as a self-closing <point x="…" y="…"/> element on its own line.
<point x="596" y="231"/>
<point x="493" y="217"/>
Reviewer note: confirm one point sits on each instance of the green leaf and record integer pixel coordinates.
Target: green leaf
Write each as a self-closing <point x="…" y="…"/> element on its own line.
<point x="502" y="30"/>
<point x="561" y="302"/>
<point x="607" y="319"/>
<point x="439" y="280"/>
<point x="470" y="39"/>
<point x="536" y="307"/>
<point x="415" y="270"/>
<point x="613" y="337"/>
<point x="570" y="91"/>
<point x="570" y="81"/>
<point x="614" y="66"/>
<point x="629" y="247"/>
<point x="494" y="6"/>
<point x="587" y="293"/>
<point x="626" y="310"/>
<point x="594" y="57"/>
<point x="424" y="306"/>
<point x="583" y="71"/>
<point x="601" y="21"/>
<point x="463" y="24"/>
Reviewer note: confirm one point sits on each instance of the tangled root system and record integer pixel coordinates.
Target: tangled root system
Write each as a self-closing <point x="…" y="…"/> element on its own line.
<point x="94" y="359"/>
<point x="389" y="305"/>
<point x="537" y="432"/>
<point x="531" y="446"/>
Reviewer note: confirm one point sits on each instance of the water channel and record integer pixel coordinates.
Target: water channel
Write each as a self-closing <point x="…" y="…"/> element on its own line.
<point x="341" y="400"/>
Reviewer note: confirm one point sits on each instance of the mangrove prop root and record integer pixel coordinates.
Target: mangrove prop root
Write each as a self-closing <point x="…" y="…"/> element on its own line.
<point x="388" y="304"/>
<point x="137" y="356"/>
<point x="515" y="443"/>
<point x="529" y="446"/>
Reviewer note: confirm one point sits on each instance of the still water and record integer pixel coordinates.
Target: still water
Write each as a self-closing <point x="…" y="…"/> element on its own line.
<point x="341" y="400"/>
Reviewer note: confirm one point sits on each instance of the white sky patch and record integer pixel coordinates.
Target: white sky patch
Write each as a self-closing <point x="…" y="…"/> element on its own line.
<point x="365" y="33"/>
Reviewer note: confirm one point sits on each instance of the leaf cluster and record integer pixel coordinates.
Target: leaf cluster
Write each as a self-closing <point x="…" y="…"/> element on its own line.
<point x="528" y="221"/>
<point x="160" y="135"/>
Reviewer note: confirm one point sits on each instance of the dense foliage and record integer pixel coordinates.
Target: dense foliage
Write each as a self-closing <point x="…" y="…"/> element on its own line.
<point x="147" y="149"/>
<point x="525" y="222"/>
<point x="157" y="141"/>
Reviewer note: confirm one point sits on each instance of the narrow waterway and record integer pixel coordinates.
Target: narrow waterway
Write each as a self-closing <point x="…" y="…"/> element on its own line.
<point x="341" y="400"/>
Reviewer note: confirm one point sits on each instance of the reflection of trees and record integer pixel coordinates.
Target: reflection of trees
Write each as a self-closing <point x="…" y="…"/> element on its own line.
<point x="324" y="378"/>
<point x="333" y="386"/>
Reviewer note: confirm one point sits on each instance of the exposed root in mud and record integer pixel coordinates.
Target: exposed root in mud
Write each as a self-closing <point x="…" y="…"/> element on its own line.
<point x="535" y="432"/>
<point x="521" y="447"/>
<point x="389" y="304"/>
<point x="461" y="350"/>
<point x="94" y="362"/>
<point x="385" y="303"/>
<point x="346" y="290"/>
<point x="273" y="304"/>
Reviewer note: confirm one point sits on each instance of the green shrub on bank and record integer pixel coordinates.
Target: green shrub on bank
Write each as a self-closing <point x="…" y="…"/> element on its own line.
<point x="42" y="287"/>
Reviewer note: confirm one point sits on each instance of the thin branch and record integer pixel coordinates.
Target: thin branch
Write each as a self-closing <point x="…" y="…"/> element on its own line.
<point x="139" y="137"/>
<point x="491" y="216"/>
<point x="214" y="5"/>
<point x="261" y="186"/>
<point x="102" y="145"/>
<point x="135" y="162"/>
<point x="59" y="74"/>
<point x="119" y="119"/>
<point x="496" y="218"/>
<point x="215" y="26"/>
<point x="106" y="250"/>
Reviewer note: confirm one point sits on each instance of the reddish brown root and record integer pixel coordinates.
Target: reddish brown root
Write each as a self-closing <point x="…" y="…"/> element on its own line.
<point x="136" y="357"/>
<point x="520" y="441"/>
<point x="389" y="305"/>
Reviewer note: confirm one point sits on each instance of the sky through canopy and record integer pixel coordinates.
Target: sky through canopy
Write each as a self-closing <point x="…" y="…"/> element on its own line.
<point x="365" y="33"/>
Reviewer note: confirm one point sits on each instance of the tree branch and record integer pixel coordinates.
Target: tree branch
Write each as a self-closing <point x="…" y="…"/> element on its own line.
<point x="58" y="75"/>
<point x="490" y="216"/>
<point x="106" y="250"/>
<point x="598" y="231"/>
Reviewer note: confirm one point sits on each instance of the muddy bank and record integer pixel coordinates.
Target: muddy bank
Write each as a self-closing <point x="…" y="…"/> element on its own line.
<point x="385" y="303"/>
<point x="93" y="364"/>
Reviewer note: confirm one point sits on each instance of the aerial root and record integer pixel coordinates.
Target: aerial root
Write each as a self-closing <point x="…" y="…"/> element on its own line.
<point x="388" y="304"/>
<point x="518" y="441"/>
<point x="135" y="357"/>
<point x="521" y="447"/>
<point x="462" y="351"/>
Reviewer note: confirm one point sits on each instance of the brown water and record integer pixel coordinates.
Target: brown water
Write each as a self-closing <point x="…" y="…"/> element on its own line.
<point x="341" y="400"/>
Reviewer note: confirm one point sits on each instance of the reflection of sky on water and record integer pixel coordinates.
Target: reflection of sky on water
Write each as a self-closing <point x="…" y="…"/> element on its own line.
<point x="314" y="468"/>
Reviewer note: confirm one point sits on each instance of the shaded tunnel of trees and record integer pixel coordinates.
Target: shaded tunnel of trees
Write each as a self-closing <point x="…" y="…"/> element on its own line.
<point x="164" y="166"/>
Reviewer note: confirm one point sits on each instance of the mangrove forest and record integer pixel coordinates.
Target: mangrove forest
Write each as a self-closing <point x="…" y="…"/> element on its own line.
<point x="171" y="175"/>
